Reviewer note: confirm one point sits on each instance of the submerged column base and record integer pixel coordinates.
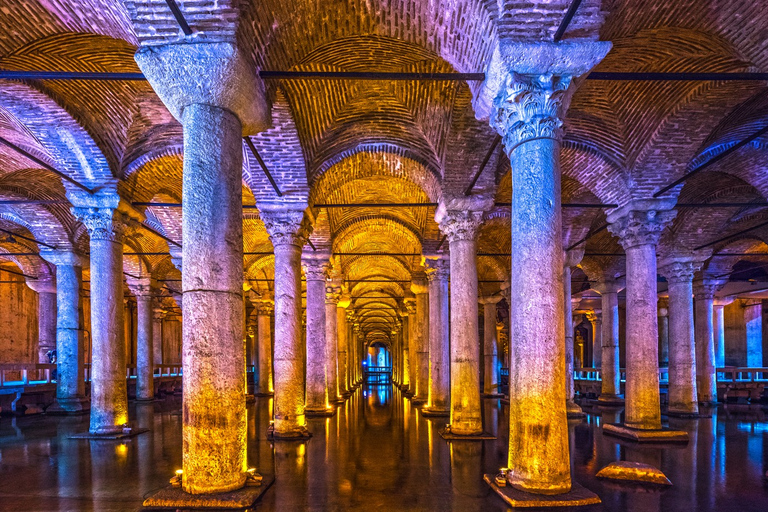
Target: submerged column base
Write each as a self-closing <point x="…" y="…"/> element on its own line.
<point x="449" y="435"/>
<point x="574" y="410"/>
<point x="295" y="435"/>
<point x="578" y="496"/>
<point x="66" y="406"/>
<point x="435" y="412"/>
<point x="325" y="412"/>
<point x="610" y="400"/>
<point x="173" y="497"/>
<point x="662" y="435"/>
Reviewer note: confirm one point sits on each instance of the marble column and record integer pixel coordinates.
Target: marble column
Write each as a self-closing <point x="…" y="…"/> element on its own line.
<point x="70" y="351"/>
<point x="610" y="391"/>
<point x="411" y="350"/>
<point x="572" y="258"/>
<point x="218" y="98"/>
<point x="288" y="232"/>
<point x="490" y="346"/>
<point x="595" y="320"/>
<point x="145" y="367"/>
<point x="158" y="314"/>
<point x="439" y="338"/>
<point x="753" y="318"/>
<point x="46" y="315"/>
<point x="706" y="373"/>
<point x="317" y="395"/>
<point x="264" y="386"/>
<point x="420" y="289"/>
<point x="663" y="313"/>
<point x="332" y="293"/>
<point x="343" y="331"/>
<point x="460" y="218"/>
<point x="352" y="340"/>
<point x="682" y="354"/>
<point x="638" y="225"/>
<point x="719" y="326"/>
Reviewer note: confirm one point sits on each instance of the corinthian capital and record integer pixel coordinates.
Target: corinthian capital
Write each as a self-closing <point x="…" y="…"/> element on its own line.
<point x="437" y="268"/>
<point x="640" y="222"/>
<point x="288" y="227"/>
<point x="103" y="223"/>
<point x="461" y="225"/>
<point x="314" y="270"/>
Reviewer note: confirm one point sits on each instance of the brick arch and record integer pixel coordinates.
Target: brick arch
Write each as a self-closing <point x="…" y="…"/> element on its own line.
<point x="380" y="233"/>
<point x="720" y="265"/>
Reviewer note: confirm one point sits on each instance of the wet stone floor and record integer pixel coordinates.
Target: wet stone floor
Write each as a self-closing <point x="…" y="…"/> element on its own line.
<point x="378" y="453"/>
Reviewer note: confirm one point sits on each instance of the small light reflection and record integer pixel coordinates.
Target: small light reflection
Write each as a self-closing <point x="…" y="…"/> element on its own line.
<point x="121" y="450"/>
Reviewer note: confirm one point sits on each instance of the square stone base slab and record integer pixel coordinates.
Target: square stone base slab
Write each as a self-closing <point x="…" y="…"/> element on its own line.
<point x="576" y="415"/>
<point x="688" y="415"/>
<point x="578" y="496"/>
<point x="613" y="401"/>
<point x="492" y="395"/>
<point x="272" y="437"/>
<point x="448" y="436"/>
<point x="263" y="394"/>
<point x="432" y="413"/>
<point x="664" y="435"/>
<point x="110" y="437"/>
<point x="418" y="401"/>
<point x="325" y="413"/>
<point x="173" y="498"/>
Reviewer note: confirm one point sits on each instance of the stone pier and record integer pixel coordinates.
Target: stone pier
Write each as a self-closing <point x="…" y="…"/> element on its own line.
<point x="317" y="393"/>
<point x="158" y="314"/>
<point x="490" y="347"/>
<point x="595" y="320"/>
<point x="332" y="295"/>
<point x="706" y="374"/>
<point x="572" y="258"/>
<point x="718" y="312"/>
<point x="439" y="403"/>
<point x="218" y="98"/>
<point x="420" y="289"/>
<point x="753" y="319"/>
<point x="70" y="352"/>
<point x="264" y="309"/>
<point x="145" y="368"/>
<point x="663" y="313"/>
<point x="288" y="231"/>
<point x="460" y="218"/>
<point x="610" y="392"/>
<point x="46" y="316"/>
<point x="343" y="334"/>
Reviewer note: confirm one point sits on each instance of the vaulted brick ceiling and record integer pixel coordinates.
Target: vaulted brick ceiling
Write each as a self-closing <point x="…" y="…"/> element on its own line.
<point x="404" y="142"/>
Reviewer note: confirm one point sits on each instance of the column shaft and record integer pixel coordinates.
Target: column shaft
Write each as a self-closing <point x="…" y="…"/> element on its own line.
<point x="331" y="347"/>
<point x="610" y="371"/>
<point x="491" y="356"/>
<point x="682" y="358"/>
<point x="145" y="367"/>
<point x="46" y="316"/>
<point x="265" y="385"/>
<point x="706" y="377"/>
<point x="70" y="355"/>
<point x="421" y="389"/>
<point x="753" y="318"/>
<point x="317" y="399"/>
<point x="157" y="336"/>
<point x="343" y="331"/>
<point x="439" y="337"/>
<point x="719" y="336"/>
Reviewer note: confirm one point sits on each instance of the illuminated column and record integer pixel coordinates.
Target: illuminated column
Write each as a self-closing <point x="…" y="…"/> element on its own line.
<point x="288" y="233"/>
<point x="460" y="219"/>
<point x="421" y="364"/>
<point x="157" y="335"/>
<point x="106" y="224"/>
<point x="682" y="354"/>
<point x="145" y="368"/>
<point x="265" y="385"/>
<point x="439" y="338"/>
<point x="46" y="315"/>
<point x="719" y="326"/>
<point x="706" y="375"/>
<point x="572" y="258"/>
<point x="210" y="88"/>
<point x="332" y="295"/>
<point x="317" y="399"/>
<point x="753" y="318"/>
<point x="595" y="320"/>
<point x="610" y="392"/>
<point x="663" y="312"/>
<point x="352" y="341"/>
<point x="413" y="357"/>
<point x="343" y="331"/>
<point x="490" y="345"/>
<point x="638" y="225"/>
<point x="70" y="352"/>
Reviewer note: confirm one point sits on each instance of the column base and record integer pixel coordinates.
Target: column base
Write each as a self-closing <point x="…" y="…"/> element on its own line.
<point x="626" y="471"/>
<point x="69" y="406"/>
<point x="417" y="400"/>
<point x="492" y="395"/>
<point x="663" y="435"/>
<point x="298" y="435"/>
<point x="250" y="398"/>
<point x="264" y="394"/>
<point x="578" y="496"/>
<point x="325" y="412"/>
<point x="610" y="400"/>
<point x="450" y="436"/>
<point x="435" y="412"/>
<point x="337" y="400"/>
<point x="173" y="498"/>
<point x="573" y="411"/>
<point x="111" y="436"/>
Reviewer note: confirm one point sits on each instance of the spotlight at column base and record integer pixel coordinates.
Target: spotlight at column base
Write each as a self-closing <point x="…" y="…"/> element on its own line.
<point x="664" y="435"/>
<point x="578" y="496"/>
<point x="171" y="497"/>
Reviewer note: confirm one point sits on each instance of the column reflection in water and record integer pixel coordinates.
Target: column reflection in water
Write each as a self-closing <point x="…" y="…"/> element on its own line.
<point x="467" y="475"/>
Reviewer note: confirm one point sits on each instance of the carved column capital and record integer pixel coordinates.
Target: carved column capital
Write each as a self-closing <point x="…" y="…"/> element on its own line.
<point x="103" y="223"/>
<point x="62" y="258"/>
<point x="437" y="268"/>
<point x="419" y="283"/>
<point x="490" y="299"/>
<point x="460" y="224"/>
<point x="707" y="288"/>
<point x="141" y="287"/>
<point x="640" y="222"/>
<point x="289" y="227"/>
<point x="679" y="271"/>
<point x="314" y="269"/>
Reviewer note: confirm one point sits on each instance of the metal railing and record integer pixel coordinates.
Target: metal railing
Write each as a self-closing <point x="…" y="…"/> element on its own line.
<point x="30" y="374"/>
<point x="378" y="374"/>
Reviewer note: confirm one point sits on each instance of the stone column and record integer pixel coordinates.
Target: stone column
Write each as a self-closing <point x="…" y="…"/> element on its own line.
<point x="706" y="374"/>
<point x="318" y="396"/>
<point x="572" y="258"/>
<point x="70" y="355"/>
<point x="460" y="219"/>
<point x="265" y="386"/>
<point x="719" y="326"/>
<point x="439" y="338"/>
<point x="404" y="342"/>
<point x="490" y="346"/>
<point x="421" y="291"/>
<point x="332" y="295"/>
<point x="638" y="226"/>
<point x="412" y="350"/>
<point x="145" y="368"/>
<point x="610" y="392"/>
<point x="595" y="320"/>
<point x="663" y="313"/>
<point x="158" y="314"/>
<point x="109" y="396"/>
<point x="217" y="96"/>
<point x="351" y="344"/>
<point x="343" y="331"/>
<point x="46" y="316"/>
<point x="682" y="355"/>
<point x="531" y="96"/>
<point x="753" y="318"/>
<point x="288" y="233"/>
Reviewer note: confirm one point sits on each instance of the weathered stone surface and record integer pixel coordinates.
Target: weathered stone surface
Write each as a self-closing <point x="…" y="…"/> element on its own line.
<point x="634" y="472"/>
<point x="577" y="496"/>
<point x="437" y="269"/>
<point x="646" y="435"/>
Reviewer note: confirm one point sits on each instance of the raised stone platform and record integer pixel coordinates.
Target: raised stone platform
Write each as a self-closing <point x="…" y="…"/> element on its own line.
<point x="635" y="472"/>
<point x="173" y="498"/>
<point x="578" y="496"/>
<point x="320" y="413"/>
<point x="298" y="437"/>
<point x="493" y="396"/>
<point x="450" y="436"/>
<point x="110" y="437"/>
<point x="435" y="413"/>
<point x="664" y="435"/>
